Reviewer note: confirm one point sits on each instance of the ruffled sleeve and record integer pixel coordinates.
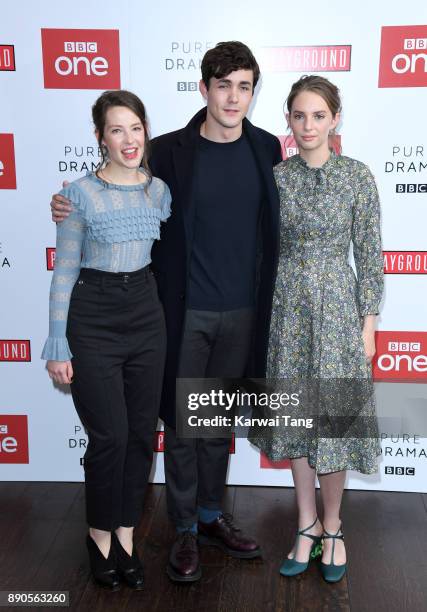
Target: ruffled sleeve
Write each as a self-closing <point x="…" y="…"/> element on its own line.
<point x="366" y="237"/>
<point x="70" y="234"/>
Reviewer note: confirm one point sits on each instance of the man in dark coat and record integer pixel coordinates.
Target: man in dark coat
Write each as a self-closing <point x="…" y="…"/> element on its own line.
<point x="215" y="266"/>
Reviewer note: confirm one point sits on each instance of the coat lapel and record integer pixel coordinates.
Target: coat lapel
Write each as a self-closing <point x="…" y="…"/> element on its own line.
<point x="184" y="156"/>
<point x="264" y="163"/>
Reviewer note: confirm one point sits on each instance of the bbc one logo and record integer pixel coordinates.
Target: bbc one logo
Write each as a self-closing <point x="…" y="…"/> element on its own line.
<point x="13" y="439"/>
<point x="403" y="57"/>
<point x="400" y="356"/>
<point x="7" y="58"/>
<point x="15" y="350"/>
<point x="7" y="162"/>
<point x="81" y="59"/>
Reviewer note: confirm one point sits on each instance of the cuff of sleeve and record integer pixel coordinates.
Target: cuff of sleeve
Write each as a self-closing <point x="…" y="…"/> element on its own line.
<point x="369" y="311"/>
<point x="56" y="349"/>
<point x="369" y="308"/>
<point x="369" y="299"/>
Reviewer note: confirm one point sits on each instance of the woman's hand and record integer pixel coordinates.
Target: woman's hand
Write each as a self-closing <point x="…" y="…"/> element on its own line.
<point x="60" y="371"/>
<point x="60" y="206"/>
<point x="368" y="335"/>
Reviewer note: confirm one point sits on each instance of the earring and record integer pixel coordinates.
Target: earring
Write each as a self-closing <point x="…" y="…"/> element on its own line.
<point x="105" y="156"/>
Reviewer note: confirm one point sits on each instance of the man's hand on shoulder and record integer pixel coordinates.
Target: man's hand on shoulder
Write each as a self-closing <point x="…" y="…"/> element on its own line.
<point x="60" y="206"/>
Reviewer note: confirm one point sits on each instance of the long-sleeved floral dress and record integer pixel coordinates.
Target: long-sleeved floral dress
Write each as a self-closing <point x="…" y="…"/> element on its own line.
<point x="318" y="304"/>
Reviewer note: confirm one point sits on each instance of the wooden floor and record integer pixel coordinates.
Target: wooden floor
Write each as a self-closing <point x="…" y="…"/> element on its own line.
<point x="42" y="546"/>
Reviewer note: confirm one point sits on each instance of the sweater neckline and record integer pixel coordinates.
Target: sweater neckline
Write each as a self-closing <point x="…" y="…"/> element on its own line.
<point x="106" y="185"/>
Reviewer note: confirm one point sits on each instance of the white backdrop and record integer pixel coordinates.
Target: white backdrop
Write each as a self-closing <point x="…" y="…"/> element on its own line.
<point x="159" y="52"/>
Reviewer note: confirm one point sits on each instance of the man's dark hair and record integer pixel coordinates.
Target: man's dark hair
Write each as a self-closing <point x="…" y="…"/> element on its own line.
<point x="226" y="57"/>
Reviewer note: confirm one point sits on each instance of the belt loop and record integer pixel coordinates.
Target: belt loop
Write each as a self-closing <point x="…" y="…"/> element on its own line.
<point x="102" y="284"/>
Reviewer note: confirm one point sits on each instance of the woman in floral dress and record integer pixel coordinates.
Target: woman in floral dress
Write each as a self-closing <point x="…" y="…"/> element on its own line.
<point x="323" y="318"/>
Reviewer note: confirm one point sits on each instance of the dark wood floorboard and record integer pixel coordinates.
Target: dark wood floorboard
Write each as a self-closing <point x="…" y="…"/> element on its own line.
<point x="42" y="546"/>
<point x="32" y="500"/>
<point x="269" y="514"/>
<point x="386" y="538"/>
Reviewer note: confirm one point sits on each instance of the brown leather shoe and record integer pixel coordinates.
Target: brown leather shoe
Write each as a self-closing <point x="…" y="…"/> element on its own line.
<point x="222" y="533"/>
<point x="184" y="563"/>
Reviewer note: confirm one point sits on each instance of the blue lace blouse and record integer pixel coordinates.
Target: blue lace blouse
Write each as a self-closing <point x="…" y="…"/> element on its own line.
<point x="111" y="228"/>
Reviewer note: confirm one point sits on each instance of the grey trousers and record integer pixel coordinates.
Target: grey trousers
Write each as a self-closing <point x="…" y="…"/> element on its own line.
<point x="214" y="345"/>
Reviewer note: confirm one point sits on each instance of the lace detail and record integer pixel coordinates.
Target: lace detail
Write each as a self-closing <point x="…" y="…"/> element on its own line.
<point x="125" y="225"/>
<point x="111" y="228"/>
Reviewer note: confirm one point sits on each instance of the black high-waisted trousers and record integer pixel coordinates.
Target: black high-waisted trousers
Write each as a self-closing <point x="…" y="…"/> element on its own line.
<point x="116" y="332"/>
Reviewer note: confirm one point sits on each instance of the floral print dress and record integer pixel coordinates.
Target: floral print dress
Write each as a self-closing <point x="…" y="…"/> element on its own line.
<point x="319" y="304"/>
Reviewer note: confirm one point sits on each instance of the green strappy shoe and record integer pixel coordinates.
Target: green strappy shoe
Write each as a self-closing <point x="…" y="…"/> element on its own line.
<point x="330" y="571"/>
<point x="291" y="567"/>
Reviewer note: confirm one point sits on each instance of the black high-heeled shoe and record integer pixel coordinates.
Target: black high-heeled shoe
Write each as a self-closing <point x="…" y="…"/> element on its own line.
<point x="104" y="570"/>
<point x="128" y="566"/>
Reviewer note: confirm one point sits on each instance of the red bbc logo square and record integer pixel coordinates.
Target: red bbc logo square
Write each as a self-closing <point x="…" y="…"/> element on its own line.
<point x="403" y="57"/>
<point x="7" y="58"/>
<point x="400" y="357"/>
<point x="13" y="439"/>
<point x="81" y="59"/>
<point x="266" y="463"/>
<point x="50" y="258"/>
<point x="7" y="162"/>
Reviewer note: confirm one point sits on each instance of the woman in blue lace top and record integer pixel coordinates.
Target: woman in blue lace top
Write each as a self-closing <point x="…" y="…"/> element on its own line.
<point x="107" y="331"/>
